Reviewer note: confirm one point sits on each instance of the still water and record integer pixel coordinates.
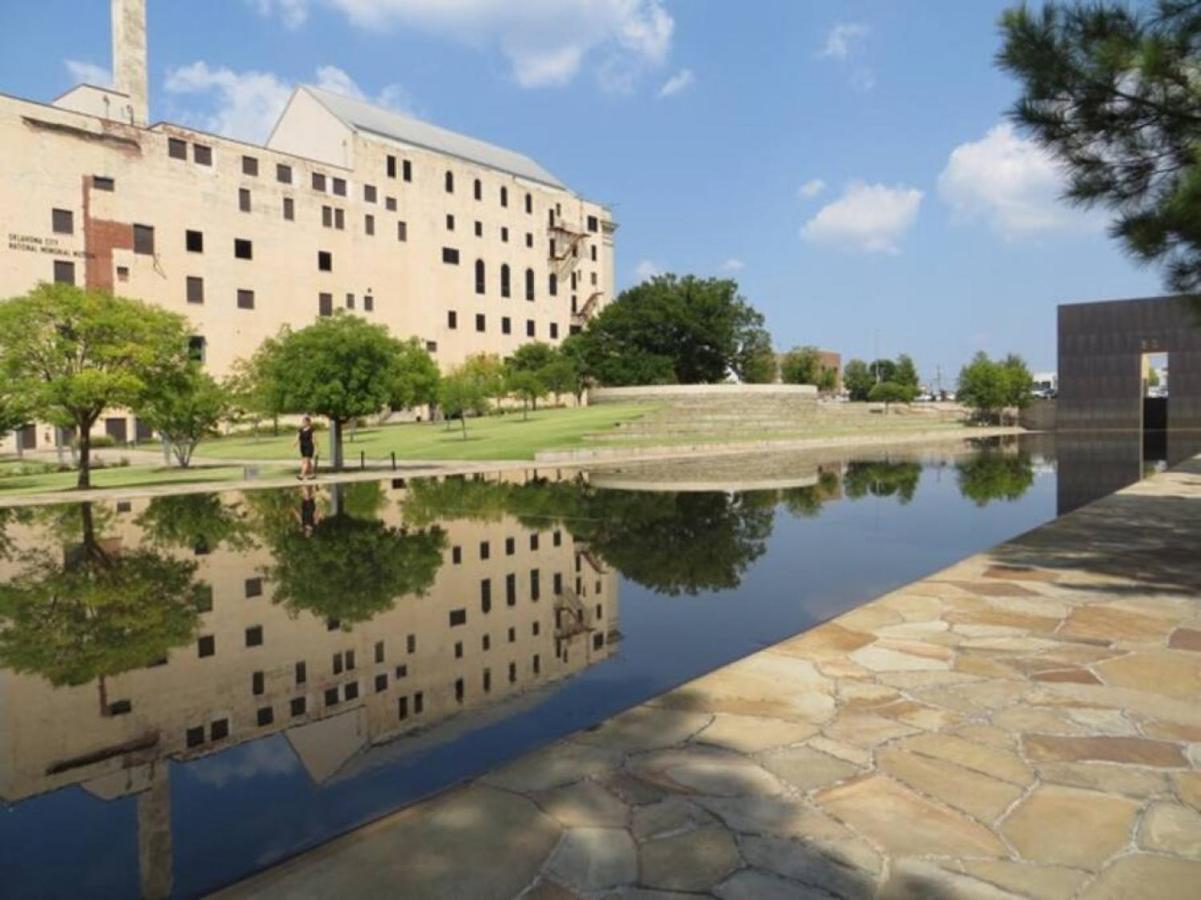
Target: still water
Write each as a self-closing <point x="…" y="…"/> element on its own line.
<point x="195" y="687"/>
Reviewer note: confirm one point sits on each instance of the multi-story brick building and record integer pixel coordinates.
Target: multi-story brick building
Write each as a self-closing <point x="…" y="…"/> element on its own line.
<point x="465" y="245"/>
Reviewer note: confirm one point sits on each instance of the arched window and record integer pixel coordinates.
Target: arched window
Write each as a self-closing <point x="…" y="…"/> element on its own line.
<point x="479" y="190"/>
<point x="479" y="276"/>
<point x="504" y="196"/>
<point x="504" y="280"/>
<point x="529" y="284"/>
<point x="450" y="182"/>
<point x="553" y="284"/>
<point x="529" y="203"/>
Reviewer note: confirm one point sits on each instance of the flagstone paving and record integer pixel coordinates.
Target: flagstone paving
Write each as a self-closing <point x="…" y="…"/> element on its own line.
<point x="1026" y="723"/>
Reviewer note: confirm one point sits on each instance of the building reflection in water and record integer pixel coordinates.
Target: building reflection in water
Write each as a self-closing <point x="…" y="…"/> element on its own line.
<point x="1094" y="464"/>
<point x="360" y="624"/>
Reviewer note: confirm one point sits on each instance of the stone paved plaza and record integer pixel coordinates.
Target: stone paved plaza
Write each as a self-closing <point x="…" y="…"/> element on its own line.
<point x="1026" y="723"/>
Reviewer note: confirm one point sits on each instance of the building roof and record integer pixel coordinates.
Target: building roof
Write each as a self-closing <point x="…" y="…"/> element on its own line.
<point x="364" y="116"/>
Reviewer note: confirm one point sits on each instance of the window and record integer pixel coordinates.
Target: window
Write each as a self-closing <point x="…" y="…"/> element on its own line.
<point x="458" y="617"/>
<point x="536" y="629"/>
<point x="504" y="280"/>
<point x="450" y="256"/>
<point x="511" y="589"/>
<point x="194" y="241"/>
<point x="379" y="651"/>
<point x="592" y="279"/>
<point x="195" y="289"/>
<point x="265" y="716"/>
<point x="301" y="673"/>
<point x="554" y="331"/>
<point x="486" y="595"/>
<point x="550" y="215"/>
<point x="350" y="301"/>
<point x="529" y="328"/>
<point x="552" y="285"/>
<point x="369" y="224"/>
<point x="194" y="737"/>
<point x="592" y="249"/>
<point x="459" y="690"/>
<point x="479" y="276"/>
<point x="318" y="182"/>
<point x="510" y="546"/>
<point x="327" y="217"/>
<point x="349" y="660"/>
<point x="533" y="541"/>
<point x="411" y="644"/>
<point x="529" y="284"/>
<point x="289" y="209"/>
<point x="369" y="193"/>
<point x="557" y="539"/>
<point x="487" y="643"/>
<point x="418" y="703"/>
<point x="206" y="645"/>
<point x="257" y="683"/>
<point x="283" y="174"/>
<point x="529" y="239"/>
<point x="219" y="730"/>
<point x="402" y="707"/>
<point x="62" y="221"/>
<point x="254" y="636"/>
<point x="390" y="204"/>
<point x="487" y="680"/>
<point x="339" y="185"/>
<point x="103" y="183"/>
<point x="529" y="203"/>
<point x="245" y="299"/>
<point x="298" y="706"/>
<point x="331" y="696"/>
<point x="177" y="149"/>
<point x="450" y="222"/>
<point x="512" y="672"/>
<point x="204" y="600"/>
<point x="537" y="664"/>
<point x="202" y="155"/>
<point x="408" y="170"/>
<point x="368" y="303"/>
<point x="504" y="196"/>
<point x="390" y="166"/>
<point x="456" y="555"/>
<point x="504" y="234"/>
<point x="244" y="199"/>
<point x="485" y="550"/>
<point x="64" y="272"/>
<point x="479" y="228"/>
<point x="122" y="273"/>
<point x="402" y="231"/>
<point x="196" y="345"/>
<point x="479" y="322"/>
<point x="243" y="249"/>
<point x="143" y="239"/>
<point x="340" y="219"/>
<point x="254" y="587"/>
<point x="535" y="589"/>
<point x="506" y="325"/>
<point x="450" y="182"/>
<point x="478" y="190"/>
<point x="325" y="304"/>
<point x="250" y="166"/>
<point x="381" y="682"/>
<point x="325" y="261"/>
<point x="452" y="322"/>
<point x="431" y="346"/>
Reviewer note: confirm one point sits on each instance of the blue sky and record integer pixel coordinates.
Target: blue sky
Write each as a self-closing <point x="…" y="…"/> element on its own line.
<point x="848" y="163"/>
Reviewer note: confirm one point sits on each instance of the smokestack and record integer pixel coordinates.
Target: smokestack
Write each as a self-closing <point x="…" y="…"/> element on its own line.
<point x="129" y="57"/>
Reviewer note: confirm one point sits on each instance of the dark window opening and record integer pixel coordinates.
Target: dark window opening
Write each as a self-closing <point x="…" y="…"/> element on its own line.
<point x="64" y="272"/>
<point x="325" y="261"/>
<point x="245" y="299"/>
<point x="254" y="636"/>
<point x="244" y="199"/>
<point x="202" y="155"/>
<point x="266" y="715"/>
<point x="62" y="221"/>
<point x="243" y="249"/>
<point x="250" y="166"/>
<point x="143" y="239"/>
<point x="194" y="241"/>
<point x="325" y="304"/>
<point x="283" y="174"/>
<point x="450" y="256"/>
<point x="339" y="185"/>
<point x="195" y="289"/>
<point x="529" y="284"/>
<point x="177" y="149"/>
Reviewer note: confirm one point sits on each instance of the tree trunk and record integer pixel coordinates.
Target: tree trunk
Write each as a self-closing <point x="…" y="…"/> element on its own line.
<point x="335" y="443"/>
<point x="525" y="410"/>
<point x="85" y="456"/>
<point x="463" y="419"/>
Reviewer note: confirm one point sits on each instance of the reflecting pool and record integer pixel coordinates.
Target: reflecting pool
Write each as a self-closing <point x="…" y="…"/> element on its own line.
<point x="195" y="687"/>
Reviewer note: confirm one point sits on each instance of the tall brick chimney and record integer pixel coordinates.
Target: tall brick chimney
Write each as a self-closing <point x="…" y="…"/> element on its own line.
<point x="129" y="57"/>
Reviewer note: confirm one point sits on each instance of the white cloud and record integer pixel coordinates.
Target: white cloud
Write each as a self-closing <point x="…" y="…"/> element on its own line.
<point x="845" y="44"/>
<point x="733" y="265"/>
<point x="811" y="188"/>
<point x="647" y="269"/>
<point x="545" y="41"/>
<point x="871" y="217"/>
<point x="89" y="73"/>
<point x="844" y="40"/>
<point x="1012" y="183"/>
<point x="677" y="82"/>
<point x="245" y="105"/>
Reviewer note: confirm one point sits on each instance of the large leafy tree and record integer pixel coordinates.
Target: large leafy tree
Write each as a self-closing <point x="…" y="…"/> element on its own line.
<point x="672" y="329"/>
<point x="1112" y="91"/>
<point x="416" y="378"/>
<point x="858" y="379"/>
<point x="463" y="392"/>
<point x="340" y="367"/>
<point x="92" y="612"/>
<point x="185" y="409"/>
<point x="803" y="365"/>
<point x="253" y="390"/>
<point x="73" y="353"/>
<point x="989" y="387"/>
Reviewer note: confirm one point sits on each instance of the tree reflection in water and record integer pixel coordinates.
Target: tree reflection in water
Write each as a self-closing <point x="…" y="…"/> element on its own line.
<point x="882" y="478"/>
<point x="199" y="522"/>
<point x="994" y="474"/>
<point x="98" y="609"/>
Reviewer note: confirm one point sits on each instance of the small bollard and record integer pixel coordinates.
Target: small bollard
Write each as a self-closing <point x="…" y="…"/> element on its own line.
<point x="393" y="460"/>
<point x="362" y="459"/>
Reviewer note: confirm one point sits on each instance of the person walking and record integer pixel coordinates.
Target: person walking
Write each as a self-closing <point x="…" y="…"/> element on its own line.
<point x="304" y="440"/>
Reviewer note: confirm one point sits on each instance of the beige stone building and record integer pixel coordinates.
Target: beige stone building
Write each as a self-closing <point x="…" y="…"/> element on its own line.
<point x="512" y="609"/>
<point x="465" y="245"/>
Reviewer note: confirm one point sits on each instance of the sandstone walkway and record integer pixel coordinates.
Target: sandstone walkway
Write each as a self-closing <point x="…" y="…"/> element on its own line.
<point x="1026" y="723"/>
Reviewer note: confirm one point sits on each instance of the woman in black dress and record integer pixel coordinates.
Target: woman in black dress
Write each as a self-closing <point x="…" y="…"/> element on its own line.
<point x="304" y="440"/>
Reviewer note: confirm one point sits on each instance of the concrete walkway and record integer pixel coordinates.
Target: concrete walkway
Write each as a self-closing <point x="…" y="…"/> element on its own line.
<point x="1026" y="723"/>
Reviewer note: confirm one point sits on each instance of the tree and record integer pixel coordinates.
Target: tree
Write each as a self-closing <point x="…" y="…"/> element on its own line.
<point x="185" y="410"/>
<point x="488" y="372"/>
<point x="906" y="375"/>
<point x="756" y="361"/>
<point x="673" y="330"/>
<point x="459" y="393"/>
<point x="883" y="370"/>
<point x="882" y="478"/>
<point x="74" y="353"/>
<point x="560" y="375"/>
<point x="994" y="474"/>
<point x="574" y="351"/>
<point x="417" y="377"/>
<point x="197" y="522"/>
<point x="528" y="386"/>
<point x="983" y="387"/>
<point x="253" y="388"/>
<point x="340" y="367"/>
<point x="858" y="379"/>
<point x="801" y="365"/>
<point x="524" y="372"/>
<point x="14" y="408"/>
<point x="888" y="392"/>
<point x="1112" y="93"/>
<point x="1019" y="383"/>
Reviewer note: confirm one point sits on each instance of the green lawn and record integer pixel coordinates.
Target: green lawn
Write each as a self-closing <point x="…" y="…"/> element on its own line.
<point x="491" y="437"/>
<point x="131" y="476"/>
